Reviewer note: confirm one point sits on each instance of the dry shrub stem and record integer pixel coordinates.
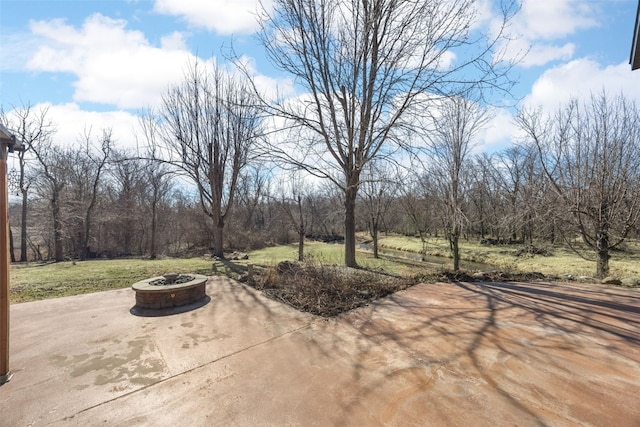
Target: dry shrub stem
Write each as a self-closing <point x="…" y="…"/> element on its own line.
<point x="326" y="290"/>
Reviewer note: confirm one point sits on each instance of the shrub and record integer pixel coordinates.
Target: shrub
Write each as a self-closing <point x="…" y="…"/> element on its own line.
<point x="325" y="290"/>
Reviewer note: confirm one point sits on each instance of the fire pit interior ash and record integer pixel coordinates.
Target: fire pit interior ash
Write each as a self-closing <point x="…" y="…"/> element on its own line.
<point x="160" y="295"/>
<point x="170" y="279"/>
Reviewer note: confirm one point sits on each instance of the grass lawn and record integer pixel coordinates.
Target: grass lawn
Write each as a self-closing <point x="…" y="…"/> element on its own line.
<point x="35" y="281"/>
<point x="563" y="261"/>
<point x="330" y="253"/>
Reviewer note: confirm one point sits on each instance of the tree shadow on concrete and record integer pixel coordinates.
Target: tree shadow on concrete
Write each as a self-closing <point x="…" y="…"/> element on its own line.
<point x="523" y="346"/>
<point x="442" y="354"/>
<point x="440" y="351"/>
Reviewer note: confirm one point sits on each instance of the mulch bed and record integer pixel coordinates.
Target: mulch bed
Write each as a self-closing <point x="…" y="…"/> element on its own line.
<point x="325" y="290"/>
<point x="329" y="290"/>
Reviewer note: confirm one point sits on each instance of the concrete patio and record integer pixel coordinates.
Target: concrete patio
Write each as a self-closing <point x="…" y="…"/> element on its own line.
<point x="488" y="354"/>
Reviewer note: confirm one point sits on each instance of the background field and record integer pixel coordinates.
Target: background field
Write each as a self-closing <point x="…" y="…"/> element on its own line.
<point x="35" y="281"/>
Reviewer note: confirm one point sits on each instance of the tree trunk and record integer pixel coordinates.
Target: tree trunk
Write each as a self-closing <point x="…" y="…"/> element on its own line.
<point x="350" y="227"/>
<point x="218" y="239"/>
<point x="57" y="230"/>
<point x="302" y="228"/>
<point x="11" y="249"/>
<point x="84" y="250"/>
<point x="94" y="196"/>
<point x="374" y="236"/>
<point x="455" y="250"/>
<point x="152" y="250"/>
<point x="301" y="246"/>
<point x="87" y="226"/>
<point x="23" y="228"/>
<point x="603" y="256"/>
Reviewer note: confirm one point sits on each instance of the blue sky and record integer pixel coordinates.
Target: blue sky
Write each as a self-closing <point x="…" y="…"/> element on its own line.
<point x="95" y="63"/>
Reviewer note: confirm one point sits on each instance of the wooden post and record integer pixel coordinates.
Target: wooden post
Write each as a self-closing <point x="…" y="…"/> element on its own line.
<point x="5" y="374"/>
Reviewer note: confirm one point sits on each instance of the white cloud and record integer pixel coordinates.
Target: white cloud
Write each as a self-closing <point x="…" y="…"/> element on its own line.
<point x="447" y="60"/>
<point x="17" y="49"/>
<point x="271" y="87"/>
<point x="497" y="134"/>
<point x="538" y="54"/>
<point x="222" y="16"/>
<point x="554" y="88"/>
<point x="484" y="14"/>
<point x="579" y="79"/>
<point x="174" y="41"/>
<point x="71" y="121"/>
<point x="114" y="65"/>
<point x="550" y="20"/>
<point x="538" y="23"/>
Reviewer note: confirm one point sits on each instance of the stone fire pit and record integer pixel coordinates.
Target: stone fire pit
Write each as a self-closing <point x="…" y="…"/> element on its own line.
<point x="170" y="290"/>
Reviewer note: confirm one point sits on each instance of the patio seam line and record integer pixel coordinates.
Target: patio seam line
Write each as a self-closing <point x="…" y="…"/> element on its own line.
<point x="170" y="377"/>
<point x="164" y="361"/>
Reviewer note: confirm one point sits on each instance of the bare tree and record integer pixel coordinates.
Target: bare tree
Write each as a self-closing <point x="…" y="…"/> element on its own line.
<point x="480" y="194"/>
<point x="510" y="170"/>
<point x="368" y="65"/>
<point x="69" y="178"/>
<point x="294" y="202"/>
<point x="86" y="172"/>
<point x="30" y="127"/>
<point x="590" y="153"/>
<point x="417" y="202"/>
<point x="128" y="188"/>
<point x="159" y="179"/>
<point x="253" y="190"/>
<point x="377" y="186"/>
<point x="252" y="224"/>
<point x="206" y="128"/>
<point x="522" y="183"/>
<point x="454" y="127"/>
<point x="53" y="163"/>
